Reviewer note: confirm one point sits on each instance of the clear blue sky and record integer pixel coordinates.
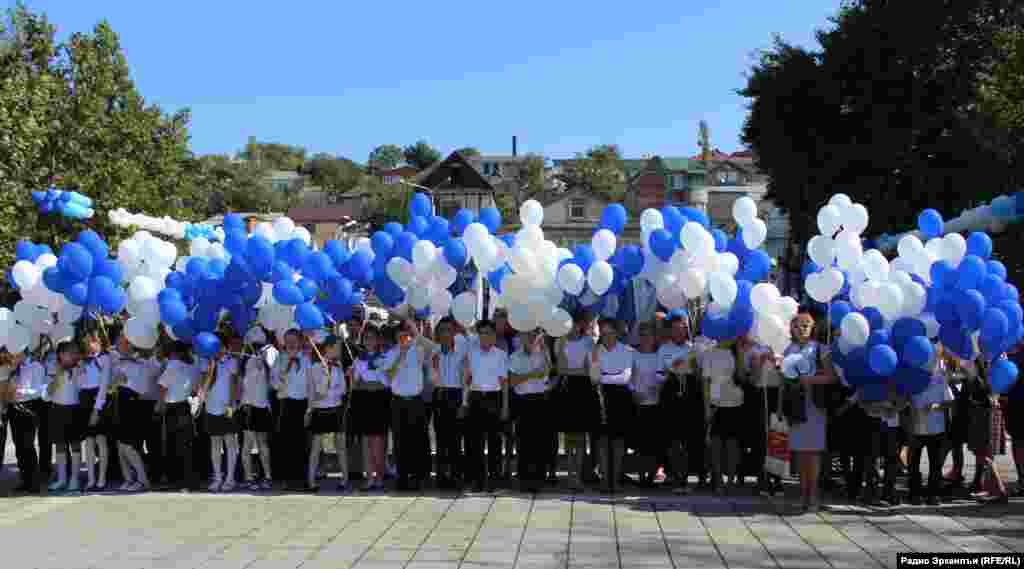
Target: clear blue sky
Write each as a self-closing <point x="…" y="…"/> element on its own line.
<point x="342" y="76"/>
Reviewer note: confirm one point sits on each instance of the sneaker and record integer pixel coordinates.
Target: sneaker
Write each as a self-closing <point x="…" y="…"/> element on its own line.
<point x="124" y="487"/>
<point x="228" y="486"/>
<point x="57" y="486"/>
<point x="659" y="476"/>
<point x="214" y="486"/>
<point x="73" y="486"/>
<point x="369" y="486"/>
<point x="681" y="490"/>
<point x="933" y="501"/>
<point x="344" y="486"/>
<point x="266" y="484"/>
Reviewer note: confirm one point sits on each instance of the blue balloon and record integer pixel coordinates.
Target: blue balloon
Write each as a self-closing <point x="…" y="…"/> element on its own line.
<point x="26" y="251"/>
<point x="882" y="359"/>
<point x="613" y="218"/>
<point x="509" y="239"/>
<point x="197" y="267"/>
<point x="206" y="345"/>
<point x="491" y="219"/>
<point x="360" y="268"/>
<point x="743" y="289"/>
<point x="996" y="268"/>
<point x="77" y="293"/>
<point x="943" y="274"/>
<point x="995" y="326"/>
<point x="1003" y="375"/>
<point x="870" y="392"/>
<point x="584" y="257"/>
<point x="662" y="244"/>
<point x="217" y="267"/>
<point x="917" y="351"/>
<point x="168" y="295"/>
<point x="455" y="253"/>
<point x="404" y="245"/>
<point x="421" y="205"/>
<point x="308" y="289"/>
<point x="339" y="290"/>
<point x="878" y="338"/>
<point x="440" y="230"/>
<point x="741" y="320"/>
<point x="979" y="244"/>
<point x="418" y="226"/>
<point x="971" y="272"/>
<point x="839" y="310"/>
<point x="721" y="240"/>
<point x="674" y="222"/>
<point x="632" y="260"/>
<point x="233" y="221"/>
<point x="697" y="216"/>
<point x="737" y="246"/>
<point x="75" y="261"/>
<point x="904" y="328"/>
<point x="95" y="244"/>
<point x="461" y="221"/>
<point x="259" y="253"/>
<point x="252" y="292"/>
<point x="991" y="288"/>
<point x="970" y="308"/>
<point x="235" y="241"/>
<point x="206" y="317"/>
<point x="281" y="272"/>
<point x="108" y="268"/>
<point x="756" y="266"/>
<point x="874" y="317"/>
<point x="930" y="223"/>
<point x="338" y="252"/>
<point x="309" y="317"/>
<point x="295" y="253"/>
<point x="495" y="277"/>
<point x="53" y="279"/>
<point x="318" y="267"/>
<point x="1010" y="292"/>
<point x="286" y="292"/>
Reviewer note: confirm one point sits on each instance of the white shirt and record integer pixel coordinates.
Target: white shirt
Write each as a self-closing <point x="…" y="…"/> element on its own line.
<point x="331" y="394"/>
<point x="719" y="366"/>
<point x="67" y="392"/>
<point x="938" y="391"/>
<point x="408" y="378"/>
<point x="367" y="375"/>
<point x="522" y="363"/>
<point x="179" y="379"/>
<point x="768" y="375"/>
<point x="487" y="368"/>
<point x="615" y="366"/>
<point x="269" y="354"/>
<point x="670" y="352"/>
<point x="256" y="383"/>
<point x="450" y="365"/>
<point x="139" y="374"/>
<point x="293" y="379"/>
<point x="218" y="398"/>
<point x="576" y="352"/>
<point x="96" y="375"/>
<point x="30" y="381"/>
<point x="648" y="377"/>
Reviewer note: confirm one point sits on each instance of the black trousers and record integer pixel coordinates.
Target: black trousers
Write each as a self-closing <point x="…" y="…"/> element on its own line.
<point x="408" y="419"/>
<point x="534" y="437"/>
<point x="276" y="441"/>
<point x="427" y="457"/>
<point x="25" y="420"/>
<point x="153" y="425"/>
<point x="180" y="436"/>
<point x="484" y="427"/>
<point x="759" y="440"/>
<point x="936" y="454"/>
<point x="45" y="444"/>
<point x="448" y="431"/>
<point x="294" y="440"/>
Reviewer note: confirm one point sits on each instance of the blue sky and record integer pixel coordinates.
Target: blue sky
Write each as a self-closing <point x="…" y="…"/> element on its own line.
<point x="343" y="77"/>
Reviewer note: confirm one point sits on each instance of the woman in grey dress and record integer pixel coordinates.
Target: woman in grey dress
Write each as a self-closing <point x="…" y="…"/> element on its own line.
<point x="807" y="428"/>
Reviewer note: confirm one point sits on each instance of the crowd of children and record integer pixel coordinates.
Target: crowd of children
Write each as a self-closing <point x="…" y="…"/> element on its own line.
<point x="650" y="406"/>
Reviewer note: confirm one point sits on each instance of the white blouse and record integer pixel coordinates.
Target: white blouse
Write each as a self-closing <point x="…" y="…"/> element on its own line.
<point x="576" y="352"/>
<point x="487" y="368"/>
<point x="218" y="398"/>
<point x="669" y="353"/>
<point x="408" y="378"/>
<point x="615" y="366"/>
<point x="450" y="365"/>
<point x="718" y="366"/>
<point x="256" y="383"/>
<point x="291" y="381"/>
<point x="648" y="377"/>
<point x="367" y="375"/>
<point x="138" y="374"/>
<point x="29" y="381"/>
<point x="522" y="363"/>
<point x="329" y="388"/>
<point x="66" y="393"/>
<point x="179" y="379"/>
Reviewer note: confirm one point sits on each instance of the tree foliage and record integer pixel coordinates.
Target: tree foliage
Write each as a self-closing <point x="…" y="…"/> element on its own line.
<point x="385" y="157"/>
<point x="336" y="175"/>
<point x="1003" y="92"/>
<point x="599" y="171"/>
<point x="420" y="155"/>
<point x="70" y="115"/>
<point x="886" y="110"/>
<point x="468" y="152"/>
<point x="233" y="187"/>
<point x="274" y="156"/>
<point x="384" y="202"/>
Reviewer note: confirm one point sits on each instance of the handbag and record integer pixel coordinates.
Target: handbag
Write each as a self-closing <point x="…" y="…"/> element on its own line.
<point x="778" y="458"/>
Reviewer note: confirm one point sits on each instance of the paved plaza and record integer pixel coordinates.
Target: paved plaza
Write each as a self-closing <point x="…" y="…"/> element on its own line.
<point x="498" y="531"/>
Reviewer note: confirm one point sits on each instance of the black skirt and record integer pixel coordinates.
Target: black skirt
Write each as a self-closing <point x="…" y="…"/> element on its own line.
<point x="87" y="401"/>
<point x="219" y="425"/>
<point x="620" y="410"/>
<point x="648" y="430"/>
<point x="729" y="423"/>
<point x="130" y="416"/>
<point x="371" y="412"/>
<point x="576" y="407"/>
<point x="256" y="419"/>
<point x="327" y="420"/>
<point x="63" y="423"/>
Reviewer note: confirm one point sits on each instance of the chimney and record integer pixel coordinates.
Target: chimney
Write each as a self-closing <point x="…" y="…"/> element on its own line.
<point x="514" y="146"/>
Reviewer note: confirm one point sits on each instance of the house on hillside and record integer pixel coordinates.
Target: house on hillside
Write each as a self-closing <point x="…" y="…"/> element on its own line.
<point x="393" y="176"/>
<point x="455" y="183"/>
<point x="656" y="182"/>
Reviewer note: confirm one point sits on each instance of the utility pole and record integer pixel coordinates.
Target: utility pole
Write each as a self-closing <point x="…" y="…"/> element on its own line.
<point x="699" y="199"/>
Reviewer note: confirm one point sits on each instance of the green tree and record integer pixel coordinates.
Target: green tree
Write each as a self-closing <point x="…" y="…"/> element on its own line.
<point x="385" y="157"/>
<point x="1003" y="93"/>
<point x="420" y="155"/>
<point x="599" y="171"/>
<point x="385" y="202"/>
<point x="274" y="156"/>
<point x="335" y="175"/>
<point x="468" y="152"/>
<point x="232" y="187"/>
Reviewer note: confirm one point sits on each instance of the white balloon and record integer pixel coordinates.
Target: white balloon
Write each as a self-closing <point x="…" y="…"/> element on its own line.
<point x="140" y="334"/>
<point x="764" y="297"/>
<point x="142" y="288"/>
<point x="571" y="279"/>
<point x="744" y="210"/>
<point x="464" y="308"/>
<point x="400" y="271"/>
<point x="915" y="297"/>
<point x="670" y="296"/>
<point x="841" y="201"/>
<point x="302" y="234"/>
<point x="558" y="323"/>
<point x="787" y="308"/>
<point x="530" y="236"/>
<point x="69" y="313"/>
<point x="46" y="261"/>
<point x="954" y="248"/>
<point x="522" y="261"/>
<point x="364" y="244"/>
<point x="828" y="220"/>
<point x="855" y="218"/>
<point x="283" y="228"/>
<point x="650" y="220"/>
<point x="418" y="297"/>
<point x="723" y="289"/>
<point x="600" y="276"/>
<point x="931" y="324"/>
<point x="603" y="244"/>
<point x="266" y="230"/>
<point x="18" y="338"/>
<point x="848" y="249"/>
<point x="693" y="283"/>
<point x="531" y="213"/>
<point x="821" y="250"/>
<point x="26" y="275"/>
<point x="728" y="263"/>
<point x="935" y="247"/>
<point x="910" y="247"/>
<point x="423" y="254"/>
<point x="128" y="252"/>
<point x="890" y="301"/>
<point x="216" y="251"/>
<point x="754" y="233"/>
<point x="855" y="329"/>
<point x="876" y="267"/>
<point x="692" y="238"/>
<point x="440" y="301"/>
<point x="198" y="247"/>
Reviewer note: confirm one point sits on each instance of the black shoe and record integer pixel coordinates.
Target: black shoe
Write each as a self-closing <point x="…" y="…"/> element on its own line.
<point x="914" y="500"/>
<point x="933" y="501"/>
<point x="25" y="488"/>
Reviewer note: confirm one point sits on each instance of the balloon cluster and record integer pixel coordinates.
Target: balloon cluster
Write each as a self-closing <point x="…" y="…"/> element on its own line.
<point x="33" y="315"/>
<point x="163" y="225"/>
<point x="993" y="218"/>
<point x="888" y="311"/>
<point x="68" y="204"/>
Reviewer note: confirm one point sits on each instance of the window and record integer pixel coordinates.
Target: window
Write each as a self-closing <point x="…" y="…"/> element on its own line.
<point x="728" y="177"/>
<point x="487" y="168"/>
<point x="279" y="185"/>
<point x="678" y="181"/>
<point x="391" y="180"/>
<point x="577" y="208"/>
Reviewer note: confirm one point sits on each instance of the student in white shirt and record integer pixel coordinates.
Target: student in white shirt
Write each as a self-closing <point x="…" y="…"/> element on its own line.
<point x="529" y="373"/>
<point x="219" y="395"/>
<point x="765" y="380"/>
<point x="405" y="367"/>
<point x="289" y="377"/>
<point x="96" y="412"/>
<point x="648" y="379"/>
<point x="29" y="384"/>
<point x="725" y="369"/>
<point x="327" y="392"/>
<point x="371" y="405"/>
<point x="255" y="414"/>
<point x="486" y="371"/>
<point x="611" y="367"/>
<point x="65" y="431"/>
<point x="928" y="427"/>
<point x="177" y="383"/>
<point x="683" y="397"/>
<point x="576" y="405"/>
<point x="446" y="375"/>
<point x="131" y="377"/>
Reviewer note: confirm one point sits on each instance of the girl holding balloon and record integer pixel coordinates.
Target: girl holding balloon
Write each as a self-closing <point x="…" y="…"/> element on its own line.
<point x="371" y="405"/>
<point x="290" y="378"/>
<point x="219" y="394"/>
<point x="95" y="383"/>
<point x="579" y="405"/>
<point x="131" y="379"/>
<point x="611" y="367"/>
<point x="255" y="414"/>
<point x="327" y="394"/>
<point x="65" y="430"/>
<point x="177" y="383"/>
<point x="985" y="431"/>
